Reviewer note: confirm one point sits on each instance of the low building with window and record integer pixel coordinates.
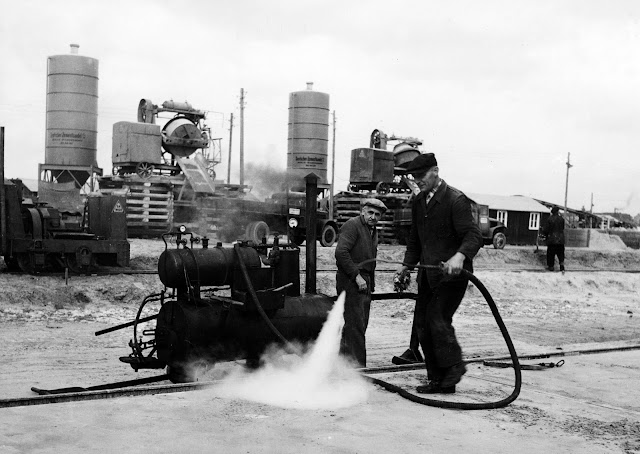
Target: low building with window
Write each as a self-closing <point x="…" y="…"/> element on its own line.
<point x="520" y="214"/>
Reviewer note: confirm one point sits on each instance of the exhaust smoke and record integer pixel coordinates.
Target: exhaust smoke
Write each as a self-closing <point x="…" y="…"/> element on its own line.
<point x="320" y="379"/>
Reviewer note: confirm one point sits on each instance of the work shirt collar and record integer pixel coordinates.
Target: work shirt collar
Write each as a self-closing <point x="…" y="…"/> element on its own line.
<point x="431" y="193"/>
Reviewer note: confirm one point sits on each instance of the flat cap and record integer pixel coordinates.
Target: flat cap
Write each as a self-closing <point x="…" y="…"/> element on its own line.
<point x="422" y="163"/>
<point x="375" y="203"/>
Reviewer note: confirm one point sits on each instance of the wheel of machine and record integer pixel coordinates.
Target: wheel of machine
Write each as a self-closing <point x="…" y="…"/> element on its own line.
<point x="25" y="263"/>
<point x="80" y="262"/>
<point x="12" y="263"/>
<point x="328" y="235"/>
<point x="382" y="188"/>
<point x="257" y="230"/>
<point x="144" y="169"/>
<point x="211" y="169"/>
<point x="499" y="240"/>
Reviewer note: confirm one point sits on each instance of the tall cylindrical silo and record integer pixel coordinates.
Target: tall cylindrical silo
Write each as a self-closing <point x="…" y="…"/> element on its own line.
<point x="72" y="110"/>
<point x="308" y="138"/>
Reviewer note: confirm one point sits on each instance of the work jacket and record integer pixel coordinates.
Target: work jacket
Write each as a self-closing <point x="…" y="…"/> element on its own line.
<point x="441" y="229"/>
<point x="554" y="229"/>
<point x="357" y="243"/>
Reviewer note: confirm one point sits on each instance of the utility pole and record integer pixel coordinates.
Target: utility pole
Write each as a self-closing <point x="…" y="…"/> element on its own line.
<point x="566" y="188"/>
<point x="591" y="212"/>
<point x="230" y="137"/>
<point x="333" y="166"/>
<point x="3" y="202"/>
<point x="241" y="136"/>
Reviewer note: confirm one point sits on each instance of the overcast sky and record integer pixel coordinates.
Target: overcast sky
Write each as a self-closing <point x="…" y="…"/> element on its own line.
<point x="500" y="91"/>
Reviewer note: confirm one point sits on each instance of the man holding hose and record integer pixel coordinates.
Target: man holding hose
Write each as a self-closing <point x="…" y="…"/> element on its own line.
<point x="443" y="234"/>
<point x="355" y="259"/>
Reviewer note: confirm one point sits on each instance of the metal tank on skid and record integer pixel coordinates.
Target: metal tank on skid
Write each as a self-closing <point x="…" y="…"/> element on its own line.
<point x="71" y="117"/>
<point x="308" y="139"/>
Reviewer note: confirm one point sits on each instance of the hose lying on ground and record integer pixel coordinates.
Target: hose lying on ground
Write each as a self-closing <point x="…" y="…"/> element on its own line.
<point x="505" y="334"/>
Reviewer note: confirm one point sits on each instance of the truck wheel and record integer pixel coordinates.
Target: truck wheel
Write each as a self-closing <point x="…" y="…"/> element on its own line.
<point x="499" y="240"/>
<point x="256" y="231"/>
<point x="328" y="235"/>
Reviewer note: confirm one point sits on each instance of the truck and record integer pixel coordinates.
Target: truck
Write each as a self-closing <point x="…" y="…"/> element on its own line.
<point x="493" y="231"/>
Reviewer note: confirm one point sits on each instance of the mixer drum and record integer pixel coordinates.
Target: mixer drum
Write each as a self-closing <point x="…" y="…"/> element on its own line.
<point x="181" y="137"/>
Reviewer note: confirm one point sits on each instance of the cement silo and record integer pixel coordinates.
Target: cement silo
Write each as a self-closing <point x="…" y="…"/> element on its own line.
<point x="72" y="116"/>
<point x="308" y="137"/>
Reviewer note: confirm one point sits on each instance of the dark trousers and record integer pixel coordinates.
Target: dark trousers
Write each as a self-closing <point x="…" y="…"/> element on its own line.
<point x="433" y="320"/>
<point x="356" y="318"/>
<point x="554" y="250"/>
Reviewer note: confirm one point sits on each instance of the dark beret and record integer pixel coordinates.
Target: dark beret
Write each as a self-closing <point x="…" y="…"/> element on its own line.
<point x="422" y="163"/>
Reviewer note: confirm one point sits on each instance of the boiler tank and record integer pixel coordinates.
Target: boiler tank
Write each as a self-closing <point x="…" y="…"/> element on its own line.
<point x="308" y="135"/>
<point x="72" y="110"/>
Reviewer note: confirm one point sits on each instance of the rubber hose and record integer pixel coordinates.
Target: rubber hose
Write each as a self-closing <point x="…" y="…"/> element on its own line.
<point x="505" y="334"/>
<point x="254" y="296"/>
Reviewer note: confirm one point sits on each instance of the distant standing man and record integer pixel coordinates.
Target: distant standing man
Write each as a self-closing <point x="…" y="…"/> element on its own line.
<point x="444" y="234"/>
<point x="358" y="241"/>
<point x="553" y="231"/>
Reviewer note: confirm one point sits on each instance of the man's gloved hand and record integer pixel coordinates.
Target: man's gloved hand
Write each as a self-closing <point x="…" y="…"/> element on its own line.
<point x="401" y="280"/>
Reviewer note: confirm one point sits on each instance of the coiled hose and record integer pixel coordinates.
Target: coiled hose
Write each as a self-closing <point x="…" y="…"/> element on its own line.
<point x="505" y="334"/>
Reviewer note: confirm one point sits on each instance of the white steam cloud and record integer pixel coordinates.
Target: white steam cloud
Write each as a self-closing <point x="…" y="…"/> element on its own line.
<point x="320" y="379"/>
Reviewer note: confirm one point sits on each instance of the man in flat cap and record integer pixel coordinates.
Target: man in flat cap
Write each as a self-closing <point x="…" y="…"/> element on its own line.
<point x="444" y="234"/>
<point x="358" y="241"/>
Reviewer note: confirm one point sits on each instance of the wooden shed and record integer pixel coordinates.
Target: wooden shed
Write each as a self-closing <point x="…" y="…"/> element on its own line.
<point x="522" y="215"/>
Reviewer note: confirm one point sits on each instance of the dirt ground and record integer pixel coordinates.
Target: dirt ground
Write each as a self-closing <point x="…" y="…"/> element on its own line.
<point x="590" y="404"/>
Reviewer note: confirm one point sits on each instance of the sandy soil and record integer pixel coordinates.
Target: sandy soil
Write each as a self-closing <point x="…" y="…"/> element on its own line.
<point x="47" y="326"/>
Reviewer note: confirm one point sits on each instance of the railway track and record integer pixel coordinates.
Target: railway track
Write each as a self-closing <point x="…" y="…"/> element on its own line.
<point x="332" y="270"/>
<point x="145" y="389"/>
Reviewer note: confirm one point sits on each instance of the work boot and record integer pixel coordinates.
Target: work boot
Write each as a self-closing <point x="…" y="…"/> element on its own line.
<point x="408" y="357"/>
<point x="435" y="387"/>
<point x="562" y="267"/>
<point x="453" y="375"/>
<point x="550" y="268"/>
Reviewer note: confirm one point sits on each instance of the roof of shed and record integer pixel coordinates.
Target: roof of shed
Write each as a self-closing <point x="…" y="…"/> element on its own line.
<point x="508" y="202"/>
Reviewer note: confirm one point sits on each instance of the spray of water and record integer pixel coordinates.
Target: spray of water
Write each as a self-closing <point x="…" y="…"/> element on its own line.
<point x="320" y="379"/>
